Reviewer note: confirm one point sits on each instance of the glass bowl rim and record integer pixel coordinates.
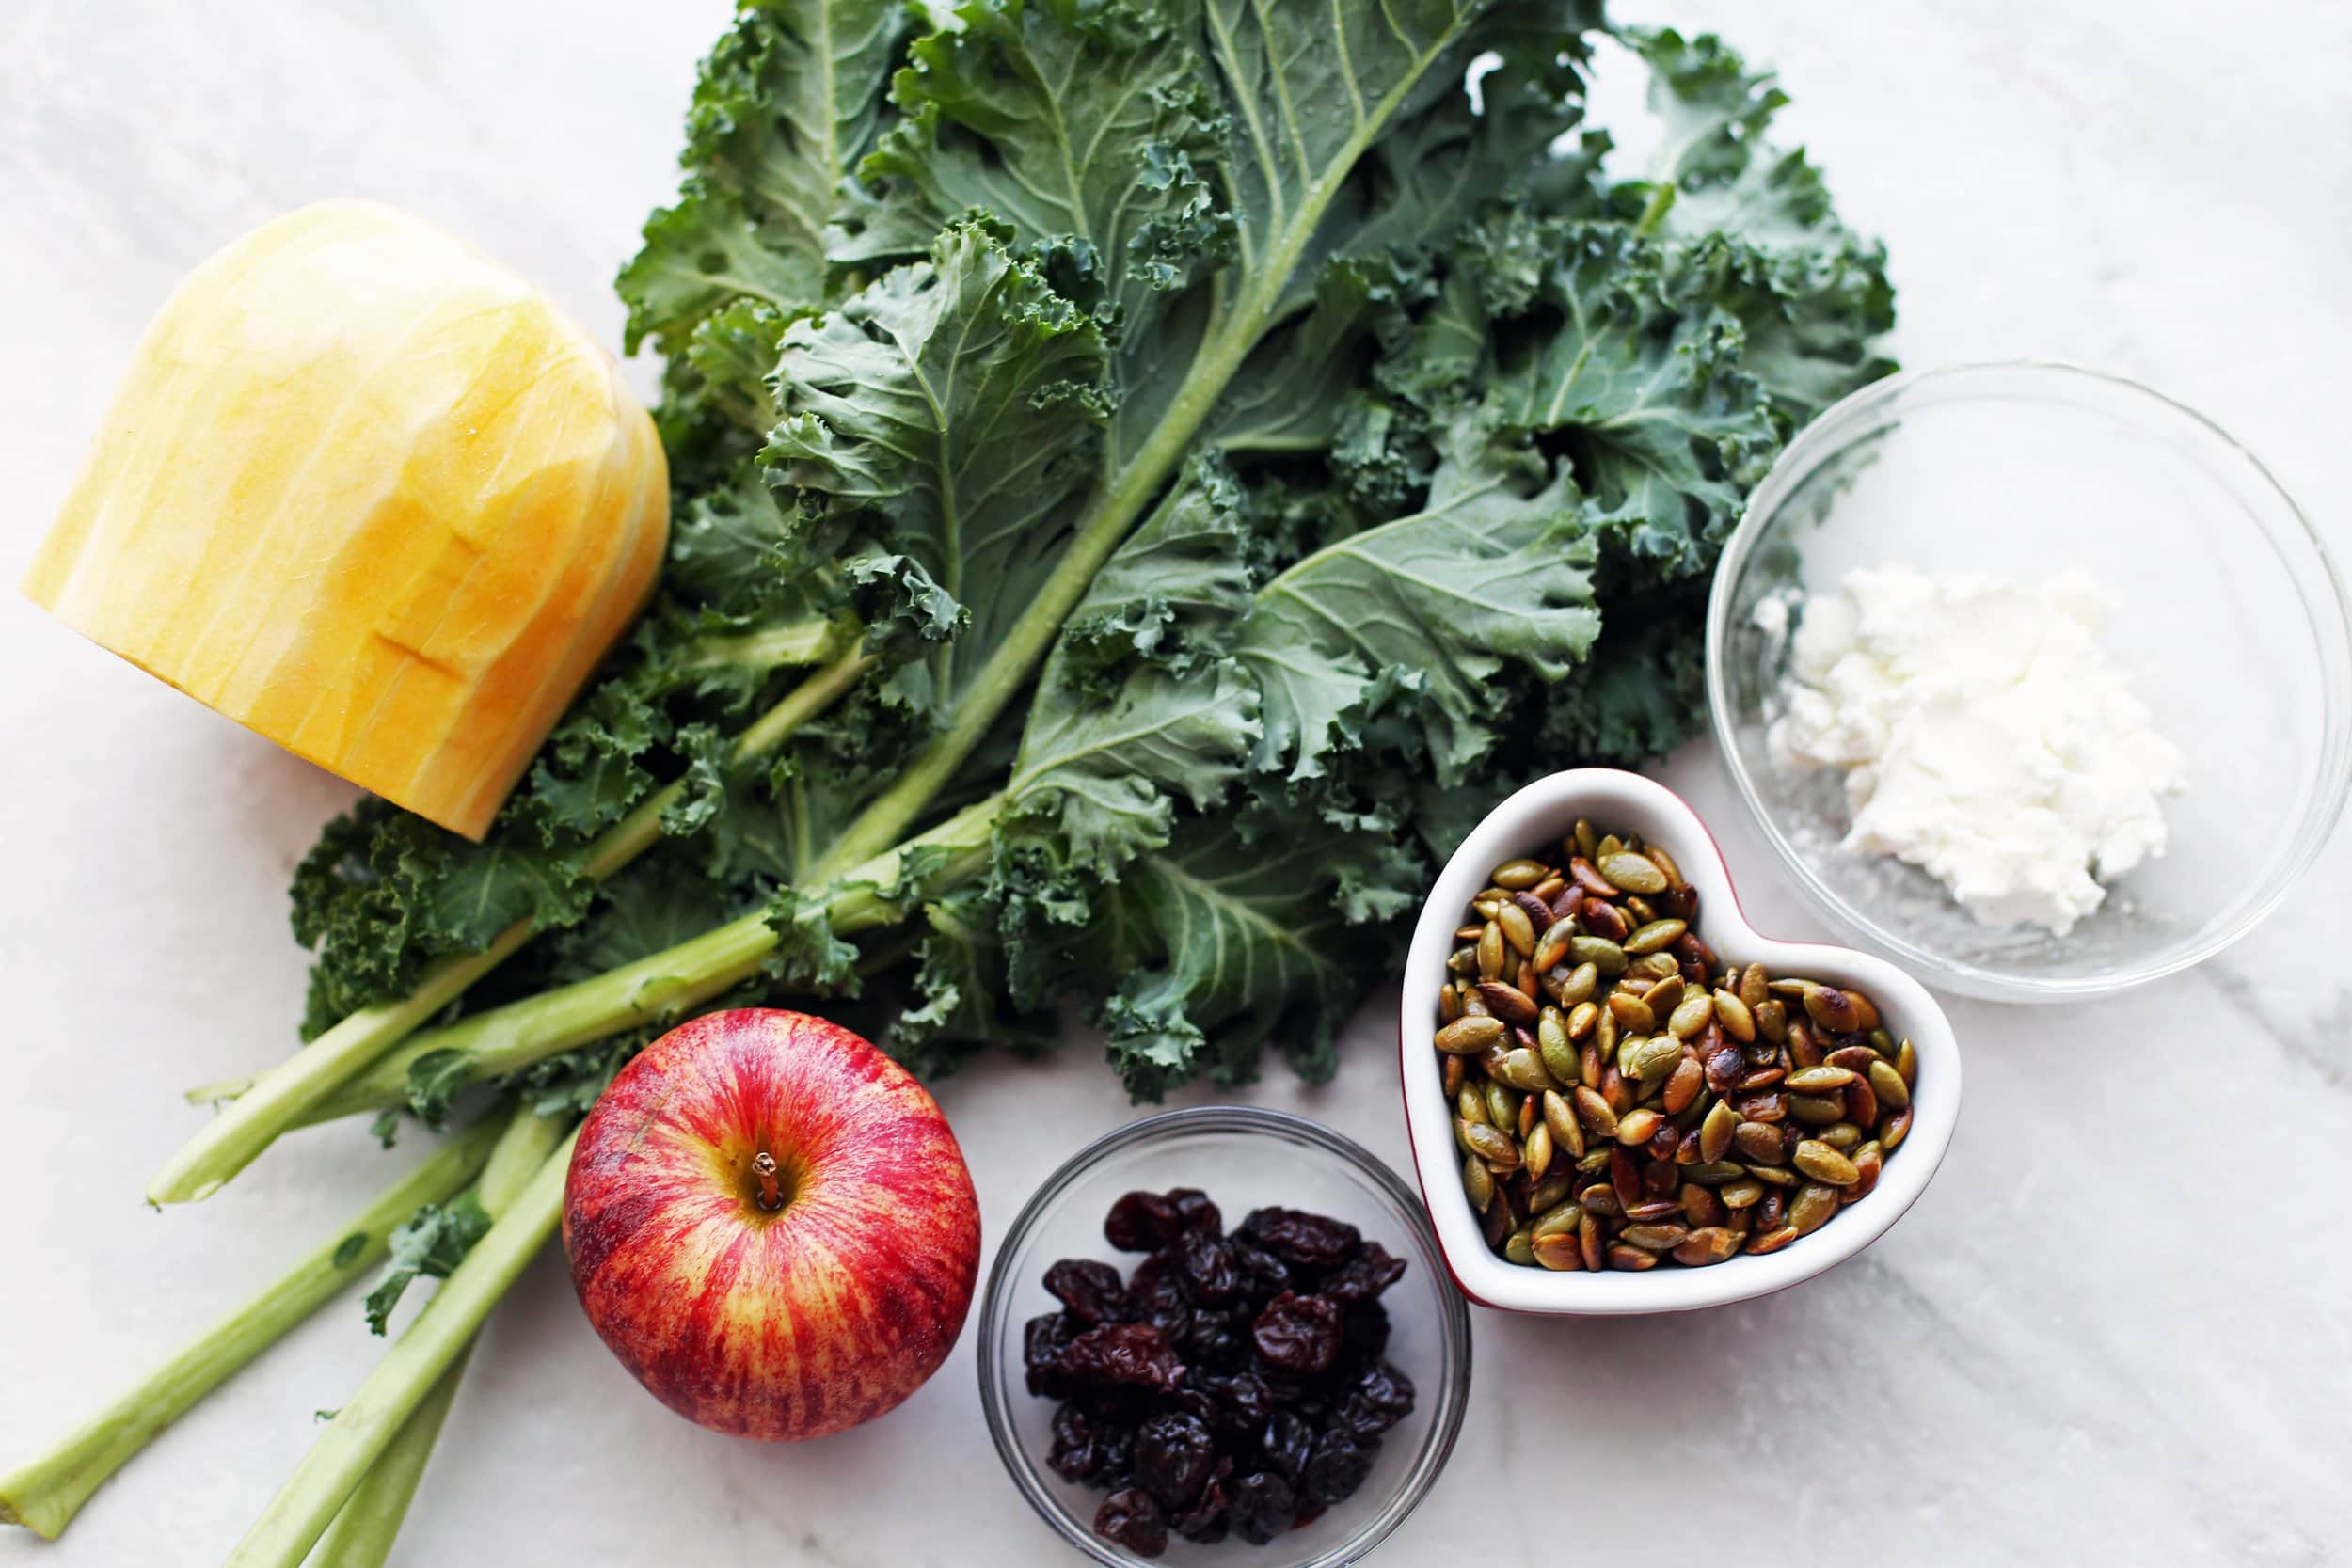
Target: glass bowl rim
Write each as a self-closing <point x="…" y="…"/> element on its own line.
<point x="2282" y="528"/>
<point x="1454" y="1319"/>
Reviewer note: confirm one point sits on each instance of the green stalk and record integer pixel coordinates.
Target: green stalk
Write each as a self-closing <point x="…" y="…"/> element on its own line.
<point x="369" y="1421"/>
<point x="278" y="1097"/>
<point x="44" y="1495"/>
<point x="363" y="1534"/>
<point x="367" y="1524"/>
<point x="514" y="1036"/>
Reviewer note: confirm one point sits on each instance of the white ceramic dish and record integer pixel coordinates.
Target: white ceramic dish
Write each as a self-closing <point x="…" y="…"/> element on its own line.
<point x="1537" y="818"/>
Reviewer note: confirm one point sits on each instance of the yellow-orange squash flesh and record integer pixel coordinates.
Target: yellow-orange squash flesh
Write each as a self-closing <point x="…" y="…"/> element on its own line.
<point x="369" y="494"/>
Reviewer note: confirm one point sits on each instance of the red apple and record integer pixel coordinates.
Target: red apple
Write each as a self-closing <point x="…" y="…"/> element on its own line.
<point x="771" y="1225"/>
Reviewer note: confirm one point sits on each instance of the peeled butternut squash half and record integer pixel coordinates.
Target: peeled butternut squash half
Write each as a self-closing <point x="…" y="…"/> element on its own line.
<point x="371" y="495"/>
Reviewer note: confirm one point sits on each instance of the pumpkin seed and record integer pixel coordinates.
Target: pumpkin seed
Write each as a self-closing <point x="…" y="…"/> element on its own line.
<point x="1654" y="1237"/>
<point x="1635" y="1127"/>
<point x="1517" y="928"/>
<point x="1490" y="952"/>
<point x="1537" y="1158"/>
<point x="1547" y="1194"/>
<point x="1617" y="1104"/>
<point x="1868" y="1162"/>
<point x="1566" y="1131"/>
<point x="1832" y="1009"/>
<point x="1479" y="1182"/>
<point x="1518" y="874"/>
<point x="1705" y="1245"/>
<point x="1692" y="1014"/>
<point x="1823" y="1164"/>
<point x="1632" y="1013"/>
<point x="1634" y="873"/>
<point x="1816" y="1110"/>
<point x="1467" y="1036"/>
<point x="1715" y="1133"/>
<point x="1594" y="1112"/>
<point x="1652" y="1060"/>
<point x="1682" y="1086"/>
<point x="1558" y="1253"/>
<point x="1605" y="956"/>
<point x="1655" y="935"/>
<point x="1812" y="1208"/>
<point x="1600" y="1200"/>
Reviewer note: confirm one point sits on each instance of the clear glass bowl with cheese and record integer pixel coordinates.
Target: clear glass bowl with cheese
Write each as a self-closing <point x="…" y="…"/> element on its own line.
<point x="2036" y="680"/>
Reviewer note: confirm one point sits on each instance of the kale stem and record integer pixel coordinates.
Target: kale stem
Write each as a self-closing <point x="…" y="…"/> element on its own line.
<point x="664" y="984"/>
<point x="283" y="1096"/>
<point x="364" y="1529"/>
<point x="364" y="1429"/>
<point x="45" y="1494"/>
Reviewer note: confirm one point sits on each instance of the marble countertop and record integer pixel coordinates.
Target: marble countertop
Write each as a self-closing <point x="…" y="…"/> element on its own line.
<point x="2114" y="1330"/>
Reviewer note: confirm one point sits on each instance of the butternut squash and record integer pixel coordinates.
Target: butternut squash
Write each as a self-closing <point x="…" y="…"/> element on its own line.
<point x="371" y="495"/>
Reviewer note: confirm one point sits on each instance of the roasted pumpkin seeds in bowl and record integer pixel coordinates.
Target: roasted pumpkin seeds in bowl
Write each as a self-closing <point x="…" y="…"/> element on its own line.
<point x="1624" y="1100"/>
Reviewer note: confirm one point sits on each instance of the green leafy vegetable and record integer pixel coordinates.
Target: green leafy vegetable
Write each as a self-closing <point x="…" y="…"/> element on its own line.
<point x="1237" y="442"/>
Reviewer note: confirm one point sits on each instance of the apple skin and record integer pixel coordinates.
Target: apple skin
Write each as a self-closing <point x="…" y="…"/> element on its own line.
<point x="819" y="1315"/>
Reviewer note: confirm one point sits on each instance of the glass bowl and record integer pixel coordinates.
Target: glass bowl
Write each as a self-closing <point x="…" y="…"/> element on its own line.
<point x="1242" y="1158"/>
<point x="2229" y="618"/>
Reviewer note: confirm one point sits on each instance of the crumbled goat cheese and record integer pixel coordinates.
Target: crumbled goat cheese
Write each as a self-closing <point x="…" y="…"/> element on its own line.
<point x="1985" y="737"/>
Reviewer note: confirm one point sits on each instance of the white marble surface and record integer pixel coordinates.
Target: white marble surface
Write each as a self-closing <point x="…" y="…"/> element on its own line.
<point x="2114" y="1331"/>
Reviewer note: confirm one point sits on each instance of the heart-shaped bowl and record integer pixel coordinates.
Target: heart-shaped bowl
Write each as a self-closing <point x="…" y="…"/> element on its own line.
<point x="1535" y="820"/>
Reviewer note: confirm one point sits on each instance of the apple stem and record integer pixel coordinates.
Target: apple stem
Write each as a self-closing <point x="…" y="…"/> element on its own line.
<point x="770" y="1185"/>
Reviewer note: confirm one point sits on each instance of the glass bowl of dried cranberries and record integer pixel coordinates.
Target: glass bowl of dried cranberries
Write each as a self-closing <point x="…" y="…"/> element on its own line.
<point x="1223" y="1335"/>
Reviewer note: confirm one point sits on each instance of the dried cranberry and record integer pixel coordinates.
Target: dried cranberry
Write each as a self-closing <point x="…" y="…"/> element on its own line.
<point x="1142" y="1222"/>
<point x="1364" y="1276"/>
<point x="1132" y="1355"/>
<point x="1298" y="1334"/>
<point x="1115" y="1452"/>
<point x="1091" y="1291"/>
<point x="1205" y="1266"/>
<point x="1131" y="1518"/>
<point x="1074" y="1455"/>
<point x="1217" y="1340"/>
<point x="1262" y="1508"/>
<point x="1287" y="1442"/>
<point x="1174" y="1454"/>
<point x="1263" y="1277"/>
<point x="1309" y="1240"/>
<point x="1337" y="1466"/>
<point x="1243" y="1403"/>
<point x="1382" y="1397"/>
<point x="1194" y="1212"/>
<point x="1205" y="1521"/>
<point x="1043" y="1341"/>
<point x="1155" y="1295"/>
